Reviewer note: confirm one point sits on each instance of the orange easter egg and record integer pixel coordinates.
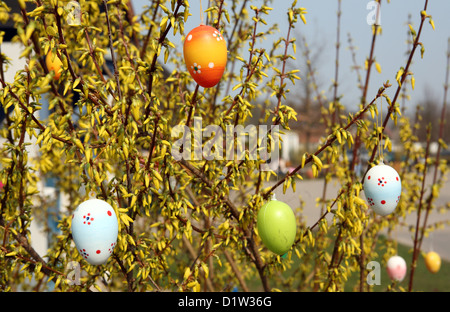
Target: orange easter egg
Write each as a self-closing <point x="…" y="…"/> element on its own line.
<point x="205" y="55"/>
<point x="53" y="63"/>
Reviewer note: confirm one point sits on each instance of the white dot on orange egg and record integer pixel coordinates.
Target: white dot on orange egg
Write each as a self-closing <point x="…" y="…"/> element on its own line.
<point x="189" y="37"/>
<point x="211" y="65"/>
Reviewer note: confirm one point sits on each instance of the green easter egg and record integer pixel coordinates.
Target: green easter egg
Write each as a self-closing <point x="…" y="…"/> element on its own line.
<point x="277" y="226"/>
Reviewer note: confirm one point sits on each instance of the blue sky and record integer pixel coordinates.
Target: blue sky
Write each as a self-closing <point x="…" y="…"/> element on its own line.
<point x="390" y="47"/>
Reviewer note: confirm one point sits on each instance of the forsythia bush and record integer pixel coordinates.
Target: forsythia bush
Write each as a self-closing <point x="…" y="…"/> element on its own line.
<point x="184" y="225"/>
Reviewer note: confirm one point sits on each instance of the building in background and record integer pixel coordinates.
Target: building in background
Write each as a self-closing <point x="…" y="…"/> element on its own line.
<point x="42" y="229"/>
<point x="39" y="239"/>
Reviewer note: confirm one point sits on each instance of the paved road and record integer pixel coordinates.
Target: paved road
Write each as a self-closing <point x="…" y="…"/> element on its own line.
<point x="310" y="190"/>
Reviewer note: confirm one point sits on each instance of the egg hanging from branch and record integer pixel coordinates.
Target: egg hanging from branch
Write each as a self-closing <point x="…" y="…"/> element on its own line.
<point x="95" y="230"/>
<point x="53" y="63"/>
<point x="433" y="261"/>
<point x="382" y="188"/>
<point x="277" y="226"/>
<point x="205" y="55"/>
<point x="396" y="268"/>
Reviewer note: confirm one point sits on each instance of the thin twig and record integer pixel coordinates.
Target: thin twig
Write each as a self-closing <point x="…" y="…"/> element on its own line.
<point x="358" y="141"/>
<point x="336" y="73"/>
<point x="111" y="47"/>
<point x="331" y="139"/>
<point x="150" y="29"/>
<point x="402" y="80"/>
<point x="282" y="75"/>
<point x="438" y="152"/>
<point x="155" y="55"/>
<point x="419" y="210"/>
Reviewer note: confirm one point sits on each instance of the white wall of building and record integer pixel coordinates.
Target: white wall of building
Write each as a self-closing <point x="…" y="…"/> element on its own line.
<point x="13" y="51"/>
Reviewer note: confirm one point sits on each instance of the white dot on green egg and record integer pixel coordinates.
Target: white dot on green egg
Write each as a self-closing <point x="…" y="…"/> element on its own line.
<point x="211" y="65"/>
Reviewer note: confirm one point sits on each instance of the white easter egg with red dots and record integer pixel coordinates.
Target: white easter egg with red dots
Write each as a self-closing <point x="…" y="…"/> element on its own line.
<point x="94" y="230"/>
<point x="382" y="188"/>
<point x="396" y="268"/>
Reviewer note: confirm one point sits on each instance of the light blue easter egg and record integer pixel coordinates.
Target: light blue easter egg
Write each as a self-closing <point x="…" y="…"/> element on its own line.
<point x="382" y="188"/>
<point x="94" y="230"/>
